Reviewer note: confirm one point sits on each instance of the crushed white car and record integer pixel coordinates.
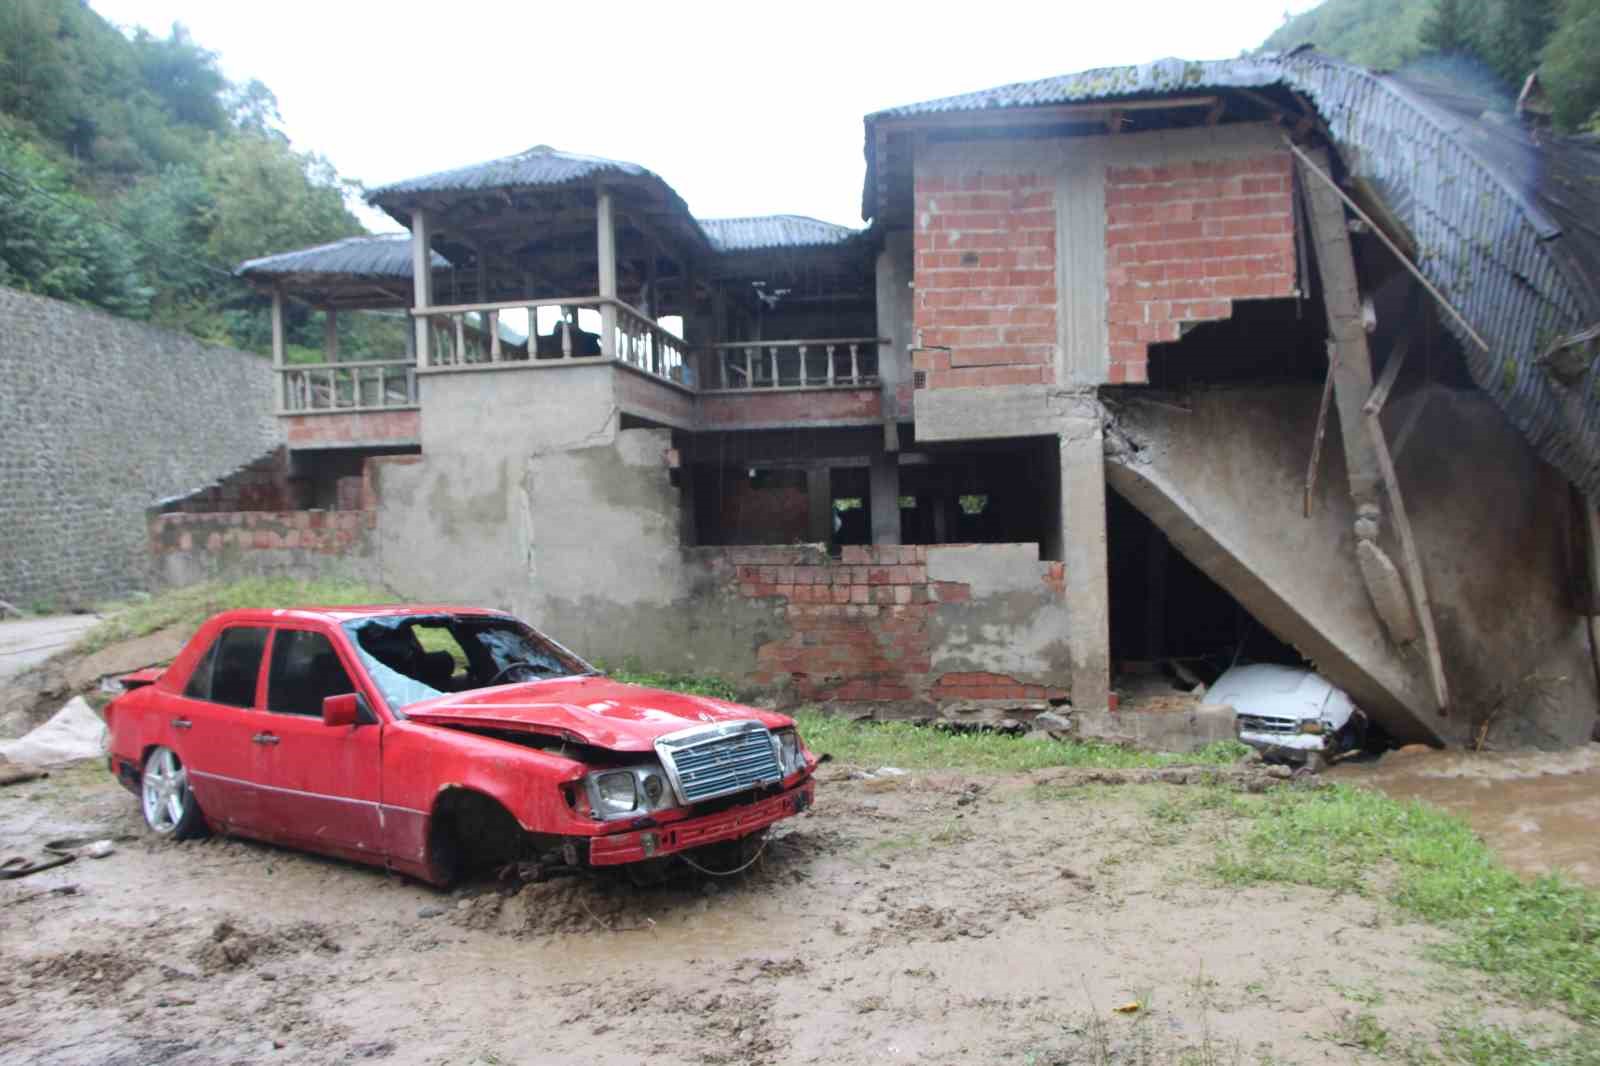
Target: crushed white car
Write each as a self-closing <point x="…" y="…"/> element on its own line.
<point x="1290" y="714"/>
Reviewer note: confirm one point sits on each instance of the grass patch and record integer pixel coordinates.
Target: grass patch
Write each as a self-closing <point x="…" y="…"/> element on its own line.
<point x="1542" y="936"/>
<point x="189" y="607"/>
<point x="694" y="684"/>
<point x="914" y="747"/>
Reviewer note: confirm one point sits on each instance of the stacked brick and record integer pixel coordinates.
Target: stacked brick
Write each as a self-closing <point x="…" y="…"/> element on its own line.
<point x="858" y="627"/>
<point x="1184" y="241"/>
<point x="985" y="245"/>
<point x="353" y="427"/>
<point x="322" y="532"/>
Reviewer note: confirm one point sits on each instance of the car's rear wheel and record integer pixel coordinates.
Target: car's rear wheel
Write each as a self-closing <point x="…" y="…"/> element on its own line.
<point x="170" y="809"/>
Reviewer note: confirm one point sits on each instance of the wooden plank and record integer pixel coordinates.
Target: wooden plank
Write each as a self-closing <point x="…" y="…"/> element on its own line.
<point x="1412" y="559"/>
<point x="797" y="343"/>
<point x="1322" y="429"/>
<point x="1391" y="374"/>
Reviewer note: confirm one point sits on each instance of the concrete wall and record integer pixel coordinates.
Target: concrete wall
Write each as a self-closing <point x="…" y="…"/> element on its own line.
<point x="102" y="418"/>
<point x="1225" y="480"/>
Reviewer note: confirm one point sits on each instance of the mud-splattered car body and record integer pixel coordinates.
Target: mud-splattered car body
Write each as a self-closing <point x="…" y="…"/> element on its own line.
<point x="421" y="738"/>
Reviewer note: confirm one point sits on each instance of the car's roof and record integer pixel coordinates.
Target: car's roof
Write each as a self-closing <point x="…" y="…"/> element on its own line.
<point x="352" y="612"/>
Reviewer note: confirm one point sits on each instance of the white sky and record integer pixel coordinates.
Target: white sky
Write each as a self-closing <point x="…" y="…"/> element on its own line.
<point x="744" y="108"/>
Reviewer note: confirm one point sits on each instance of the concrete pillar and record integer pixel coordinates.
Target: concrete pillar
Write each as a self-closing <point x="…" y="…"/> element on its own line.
<point x="895" y="310"/>
<point x="279" y="389"/>
<point x="819" y="498"/>
<point x="421" y="278"/>
<point x="883" y="494"/>
<point x="330" y="335"/>
<point x="1083" y="538"/>
<point x="606" y="256"/>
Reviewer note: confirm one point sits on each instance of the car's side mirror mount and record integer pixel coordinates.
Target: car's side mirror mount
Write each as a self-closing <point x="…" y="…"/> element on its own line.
<point x="345" y="709"/>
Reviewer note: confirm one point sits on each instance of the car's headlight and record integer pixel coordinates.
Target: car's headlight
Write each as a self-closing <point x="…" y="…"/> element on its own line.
<point x="791" y="756"/>
<point x="621" y="791"/>
<point x="616" y="792"/>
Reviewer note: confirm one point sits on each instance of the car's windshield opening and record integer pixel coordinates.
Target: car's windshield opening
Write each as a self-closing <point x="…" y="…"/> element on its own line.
<point x="412" y="658"/>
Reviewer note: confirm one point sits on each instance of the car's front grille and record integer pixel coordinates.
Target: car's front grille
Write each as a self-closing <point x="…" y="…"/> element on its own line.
<point x="1253" y="723"/>
<point x="717" y="760"/>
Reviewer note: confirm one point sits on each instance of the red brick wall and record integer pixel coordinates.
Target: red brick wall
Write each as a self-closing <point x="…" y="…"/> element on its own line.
<point x="858" y="628"/>
<point x="324" y="532"/>
<point x="1186" y="240"/>
<point x="354" y="427"/>
<point x="985" y="246"/>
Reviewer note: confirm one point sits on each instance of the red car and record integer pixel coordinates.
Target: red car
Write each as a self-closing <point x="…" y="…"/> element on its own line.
<point x="436" y="740"/>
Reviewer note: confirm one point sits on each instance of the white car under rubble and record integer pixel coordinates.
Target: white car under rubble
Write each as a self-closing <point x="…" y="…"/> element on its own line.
<point x="1290" y="714"/>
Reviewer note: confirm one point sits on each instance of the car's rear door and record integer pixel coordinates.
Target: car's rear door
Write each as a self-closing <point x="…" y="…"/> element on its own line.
<point x="211" y="721"/>
<point x="322" y="781"/>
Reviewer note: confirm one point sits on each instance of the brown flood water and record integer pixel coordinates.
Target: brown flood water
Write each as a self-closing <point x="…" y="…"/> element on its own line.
<point x="1539" y="810"/>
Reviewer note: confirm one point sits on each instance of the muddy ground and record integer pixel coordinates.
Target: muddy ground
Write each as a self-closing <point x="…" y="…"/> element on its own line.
<point x="928" y="918"/>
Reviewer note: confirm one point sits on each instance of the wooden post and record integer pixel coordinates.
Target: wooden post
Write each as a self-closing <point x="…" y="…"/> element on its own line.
<point x="606" y="255"/>
<point x="330" y="335"/>
<point x="281" y="390"/>
<point x="421" y="280"/>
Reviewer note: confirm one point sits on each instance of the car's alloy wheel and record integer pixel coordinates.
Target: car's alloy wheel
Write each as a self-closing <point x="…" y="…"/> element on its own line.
<point x="169" y="807"/>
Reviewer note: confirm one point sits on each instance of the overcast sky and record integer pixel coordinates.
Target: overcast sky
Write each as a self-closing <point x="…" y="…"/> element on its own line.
<point x="744" y="108"/>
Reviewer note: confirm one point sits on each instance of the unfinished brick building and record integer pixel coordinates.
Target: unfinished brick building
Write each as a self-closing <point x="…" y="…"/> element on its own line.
<point x="1133" y="373"/>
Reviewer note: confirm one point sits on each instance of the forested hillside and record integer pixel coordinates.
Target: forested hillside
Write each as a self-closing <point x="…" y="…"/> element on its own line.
<point x="1508" y="38"/>
<point x="134" y="176"/>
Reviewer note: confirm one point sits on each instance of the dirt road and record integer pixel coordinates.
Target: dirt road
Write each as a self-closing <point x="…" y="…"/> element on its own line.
<point x="927" y="918"/>
<point x="27" y="642"/>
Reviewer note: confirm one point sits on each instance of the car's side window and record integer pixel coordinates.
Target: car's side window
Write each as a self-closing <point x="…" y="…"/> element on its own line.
<point x="305" y="670"/>
<point x="229" y="671"/>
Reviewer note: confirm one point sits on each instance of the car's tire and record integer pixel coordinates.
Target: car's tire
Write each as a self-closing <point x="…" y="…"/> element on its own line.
<point x="1316" y="762"/>
<point x="170" y="809"/>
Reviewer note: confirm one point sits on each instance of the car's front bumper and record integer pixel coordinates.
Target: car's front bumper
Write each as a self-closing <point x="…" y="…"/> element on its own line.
<point x="615" y="849"/>
<point x="1287" y="747"/>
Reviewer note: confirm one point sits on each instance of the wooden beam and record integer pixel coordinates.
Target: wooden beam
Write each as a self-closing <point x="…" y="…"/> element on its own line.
<point x="1063" y="114"/>
<point x="1350" y="361"/>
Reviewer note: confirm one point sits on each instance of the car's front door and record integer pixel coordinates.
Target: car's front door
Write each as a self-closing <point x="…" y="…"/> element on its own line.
<point x="211" y="722"/>
<point x="322" y="782"/>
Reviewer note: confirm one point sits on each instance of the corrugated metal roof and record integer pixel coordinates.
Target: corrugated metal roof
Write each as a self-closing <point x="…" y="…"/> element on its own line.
<point x="384" y="255"/>
<point x="540" y="166"/>
<point x="1503" y="223"/>
<point x="773" y="231"/>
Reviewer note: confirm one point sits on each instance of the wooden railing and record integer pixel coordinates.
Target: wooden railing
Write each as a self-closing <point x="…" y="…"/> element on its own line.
<point x="470" y="335"/>
<point x="367" y="385"/>
<point x="800" y="364"/>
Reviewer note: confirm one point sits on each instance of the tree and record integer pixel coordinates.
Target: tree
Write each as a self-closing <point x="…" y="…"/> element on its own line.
<point x="53" y="241"/>
<point x="1569" y="69"/>
<point x="266" y="198"/>
<point x="1448" y="29"/>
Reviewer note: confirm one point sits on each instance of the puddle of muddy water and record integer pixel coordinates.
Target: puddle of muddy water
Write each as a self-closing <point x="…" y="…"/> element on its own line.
<point x="1540" y="811"/>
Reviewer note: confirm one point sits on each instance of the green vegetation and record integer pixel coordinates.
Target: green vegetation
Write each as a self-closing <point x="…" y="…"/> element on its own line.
<point x="188" y="607"/>
<point x="134" y="177"/>
<point x="1541" y="936"/>
<point x="694" y="684"/>
<point x="913" y="747"/>
<point x="1507" y="38"/>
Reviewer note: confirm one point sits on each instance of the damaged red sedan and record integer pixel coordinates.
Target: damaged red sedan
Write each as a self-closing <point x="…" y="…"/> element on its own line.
<point x="438" y="740"/>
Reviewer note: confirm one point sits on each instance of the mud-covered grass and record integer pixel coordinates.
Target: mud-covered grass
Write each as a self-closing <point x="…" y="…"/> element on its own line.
<point x="915" y="747"/>
<point x="1542" y="936"/>
<point x="191" y="606"/>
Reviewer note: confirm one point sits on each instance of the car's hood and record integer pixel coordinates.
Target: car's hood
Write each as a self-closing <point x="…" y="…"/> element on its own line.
<point x="588" y="710"/>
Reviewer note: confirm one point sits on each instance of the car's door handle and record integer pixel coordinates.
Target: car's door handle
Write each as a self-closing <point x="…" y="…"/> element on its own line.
<point x="181" y="723"/>
<point x="264" y="738"/>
